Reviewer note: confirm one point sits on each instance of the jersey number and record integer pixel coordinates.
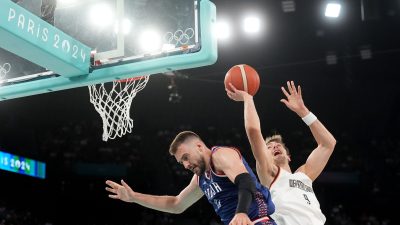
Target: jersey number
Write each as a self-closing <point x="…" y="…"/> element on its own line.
<point x="306" y="198"/>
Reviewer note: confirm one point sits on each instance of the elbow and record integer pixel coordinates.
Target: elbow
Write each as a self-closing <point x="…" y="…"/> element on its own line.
<point x="178" y="210"/>
<point x="252" y="130"/>
<point x="177" y="207"/>
<point x="333" y="143"/>
<point x="330" y="145"/>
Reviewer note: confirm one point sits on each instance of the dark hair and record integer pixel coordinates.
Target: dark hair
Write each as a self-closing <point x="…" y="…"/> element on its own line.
<point x="179" y="139"/>
<point x="277" y="138"/>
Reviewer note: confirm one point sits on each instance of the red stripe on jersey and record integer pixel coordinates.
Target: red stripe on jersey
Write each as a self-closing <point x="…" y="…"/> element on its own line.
<point x="277" y="175"/>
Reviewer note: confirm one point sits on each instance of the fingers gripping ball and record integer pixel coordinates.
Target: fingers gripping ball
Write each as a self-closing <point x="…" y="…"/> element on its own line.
<point x="243" y="77"/>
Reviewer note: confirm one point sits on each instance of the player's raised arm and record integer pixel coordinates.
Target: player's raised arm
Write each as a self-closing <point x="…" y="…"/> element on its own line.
<point x="171" y="204"/>
<point x="266" y="169"/>
<point x="319" y="157"/>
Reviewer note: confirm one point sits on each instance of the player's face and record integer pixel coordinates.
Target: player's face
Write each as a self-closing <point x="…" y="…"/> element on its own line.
<point x="278" y="152"/>
<point x="189" y="156"/>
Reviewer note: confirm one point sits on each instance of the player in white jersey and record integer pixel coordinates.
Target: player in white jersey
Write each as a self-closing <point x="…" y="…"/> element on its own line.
<point x="292" y="192"/>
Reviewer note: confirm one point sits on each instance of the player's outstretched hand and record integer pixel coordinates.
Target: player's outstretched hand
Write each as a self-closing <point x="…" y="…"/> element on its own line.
<point x="241" y="219"/>
<point x="237" y="95"/>
<point x="294" y="100"/>
<point x="120" y="191"/>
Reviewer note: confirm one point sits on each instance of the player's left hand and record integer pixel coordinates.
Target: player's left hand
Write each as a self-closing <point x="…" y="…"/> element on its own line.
<point x="241" y="219"/>
<point x="237" y="95"/>
<point x="294" y="99"/>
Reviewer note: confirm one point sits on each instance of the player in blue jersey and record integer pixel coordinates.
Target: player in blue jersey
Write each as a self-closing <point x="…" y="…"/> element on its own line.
<point x="220" y="173"/>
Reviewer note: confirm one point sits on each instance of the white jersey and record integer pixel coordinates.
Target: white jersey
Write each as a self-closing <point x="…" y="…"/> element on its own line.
<point x="294" y="199"/>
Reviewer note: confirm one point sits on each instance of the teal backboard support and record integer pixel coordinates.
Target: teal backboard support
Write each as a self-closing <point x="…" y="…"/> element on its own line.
<point x="203" y="54"/>
<point x="26" y="35"/>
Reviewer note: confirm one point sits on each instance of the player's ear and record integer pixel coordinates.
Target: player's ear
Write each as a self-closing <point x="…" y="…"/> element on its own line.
<point x="199" y="146"/>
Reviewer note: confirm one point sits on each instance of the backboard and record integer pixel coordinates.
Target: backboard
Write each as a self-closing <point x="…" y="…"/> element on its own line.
<point x="51" y="45"/>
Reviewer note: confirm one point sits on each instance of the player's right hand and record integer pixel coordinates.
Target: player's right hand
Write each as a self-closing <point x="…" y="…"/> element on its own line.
<point x="241" y="219"/>
<point x="237" y="95"/>
<point x="120" y="191"/>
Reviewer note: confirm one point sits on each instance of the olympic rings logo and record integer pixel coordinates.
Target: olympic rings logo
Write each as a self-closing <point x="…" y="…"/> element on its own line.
<point x="179" y="37"/>
<point x="4" y="69"/>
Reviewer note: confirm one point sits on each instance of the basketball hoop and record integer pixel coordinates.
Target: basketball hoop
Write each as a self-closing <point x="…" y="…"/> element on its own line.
<point x="113" y="102"/>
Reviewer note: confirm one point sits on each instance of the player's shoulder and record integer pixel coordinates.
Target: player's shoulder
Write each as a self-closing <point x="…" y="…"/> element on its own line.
<point x="225" y="158"/>
<point x="223" y="151"/>
<point x="297" y="175"/>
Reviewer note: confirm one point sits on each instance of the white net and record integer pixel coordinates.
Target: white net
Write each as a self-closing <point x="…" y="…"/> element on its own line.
<point x="113" y="102"/>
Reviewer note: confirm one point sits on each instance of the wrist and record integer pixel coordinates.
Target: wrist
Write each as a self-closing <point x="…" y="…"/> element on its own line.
<point x="133" y="198"/>
<point x="303" y="112"/>
<point x="247" y="97"/>
<point x="309" y="118"/>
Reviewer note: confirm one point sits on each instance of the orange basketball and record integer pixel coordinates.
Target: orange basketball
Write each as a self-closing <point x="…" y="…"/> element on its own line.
<point x="243" y="77"/>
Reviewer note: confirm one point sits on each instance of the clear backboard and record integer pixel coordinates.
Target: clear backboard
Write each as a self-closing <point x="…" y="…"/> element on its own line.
<point x="51" y="45"/>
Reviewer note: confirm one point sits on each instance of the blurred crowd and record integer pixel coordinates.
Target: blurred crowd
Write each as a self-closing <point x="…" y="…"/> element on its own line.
<point x="355" y="188"/>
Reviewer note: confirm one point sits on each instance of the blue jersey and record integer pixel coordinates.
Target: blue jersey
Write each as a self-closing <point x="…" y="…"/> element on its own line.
<point x="223" y="195"/>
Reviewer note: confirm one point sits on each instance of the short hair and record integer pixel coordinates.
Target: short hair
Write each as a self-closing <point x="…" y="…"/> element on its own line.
<point x="181" y="138"/>
<point x="277" y="138"/>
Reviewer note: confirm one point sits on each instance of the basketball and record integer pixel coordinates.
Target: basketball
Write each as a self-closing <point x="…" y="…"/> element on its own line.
<point x="243" y="77"/>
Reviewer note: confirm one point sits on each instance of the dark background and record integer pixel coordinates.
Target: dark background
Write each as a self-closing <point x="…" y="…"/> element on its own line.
<point x="356" y="99"/>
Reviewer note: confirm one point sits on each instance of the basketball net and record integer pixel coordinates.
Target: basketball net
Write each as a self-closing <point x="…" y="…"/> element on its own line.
<point x="113" y="102"/>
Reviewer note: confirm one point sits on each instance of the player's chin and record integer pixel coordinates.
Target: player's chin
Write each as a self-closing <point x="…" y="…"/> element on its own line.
<point x="198" y="171"/>
<point x="278" y="158"/>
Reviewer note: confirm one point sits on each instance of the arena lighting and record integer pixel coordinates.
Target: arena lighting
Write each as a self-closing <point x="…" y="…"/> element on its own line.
<point x="101" y="15"/>
<point x="333" y="10"/>
<point x="331" y="58"/>
<point x="150" y="40"/>
<point x="251" y="24"/>
<point x="66" y="3"/>
<point x="223" y="30"/>
<point x="365" y="53"/>
<point x="288" y="6"/>
<point x="167" y="47"/>
<point x="126" y="26"/>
